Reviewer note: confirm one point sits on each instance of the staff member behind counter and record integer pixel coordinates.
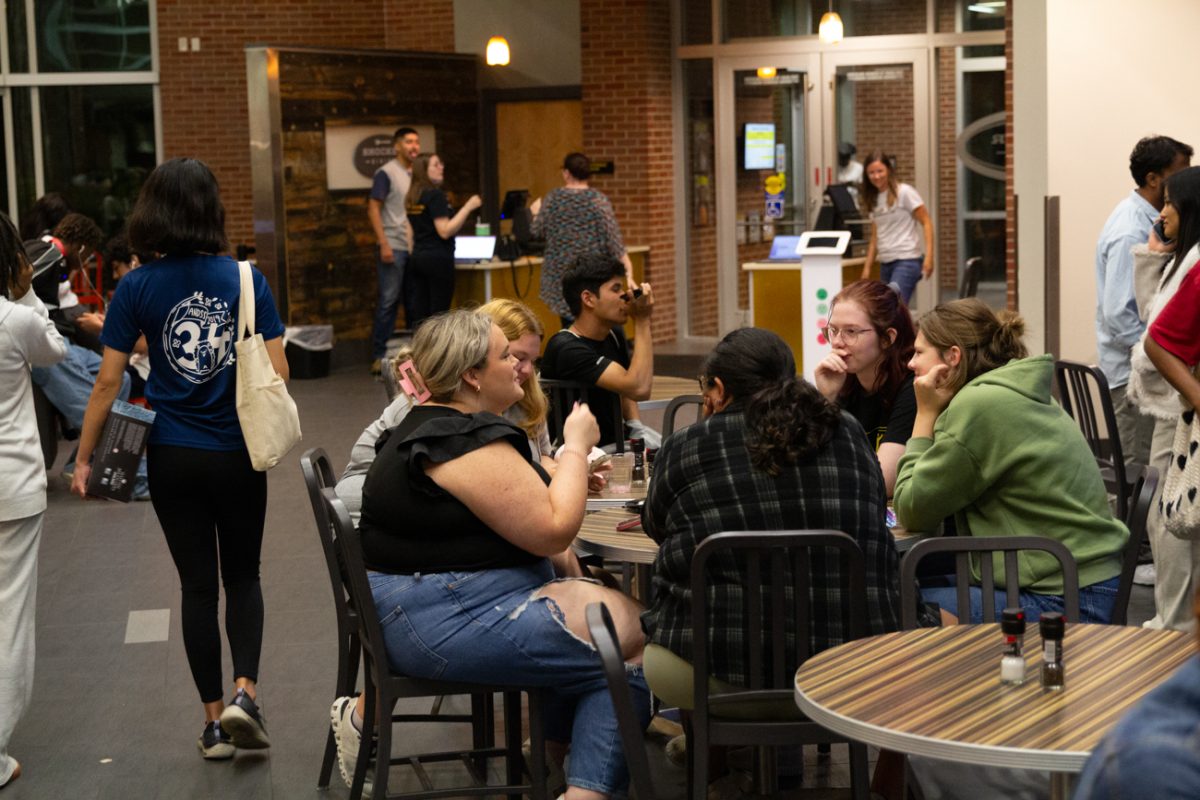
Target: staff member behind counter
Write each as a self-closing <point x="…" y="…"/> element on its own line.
<point x="429" y="280"/>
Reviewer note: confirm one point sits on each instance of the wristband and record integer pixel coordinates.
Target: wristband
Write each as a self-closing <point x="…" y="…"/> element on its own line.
<point x="576" y="452"/>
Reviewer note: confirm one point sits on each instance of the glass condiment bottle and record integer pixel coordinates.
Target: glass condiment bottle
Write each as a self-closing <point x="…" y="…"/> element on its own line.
<point x="1012" y="663"/>
<point x="638" y="446"/>
<point x="1052" y="627"/>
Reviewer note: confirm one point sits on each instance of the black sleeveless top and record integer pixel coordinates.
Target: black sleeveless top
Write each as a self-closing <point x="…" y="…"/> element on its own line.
<point x="410" y="524"/>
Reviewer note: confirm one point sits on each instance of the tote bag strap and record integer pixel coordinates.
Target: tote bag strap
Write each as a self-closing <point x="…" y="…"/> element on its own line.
<point x="246" y="302"/>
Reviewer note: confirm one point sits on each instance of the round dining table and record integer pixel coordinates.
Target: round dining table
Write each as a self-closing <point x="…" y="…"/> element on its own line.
<point x="936" y="692"/>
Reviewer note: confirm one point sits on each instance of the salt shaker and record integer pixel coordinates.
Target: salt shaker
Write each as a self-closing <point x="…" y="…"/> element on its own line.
<point x="1012" y="664"/>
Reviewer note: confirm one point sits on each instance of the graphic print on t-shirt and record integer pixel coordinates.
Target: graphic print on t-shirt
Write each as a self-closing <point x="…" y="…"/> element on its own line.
<point x="197" y="337"/>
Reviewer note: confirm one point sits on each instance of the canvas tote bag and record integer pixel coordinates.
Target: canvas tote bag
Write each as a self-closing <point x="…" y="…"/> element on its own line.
<point x="1179" y="504"/>
<point x="270" y="422"/>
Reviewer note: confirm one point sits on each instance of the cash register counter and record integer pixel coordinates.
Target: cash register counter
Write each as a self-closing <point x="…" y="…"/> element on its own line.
<point x="475" y="284"/>
<point x="775" y="298"/>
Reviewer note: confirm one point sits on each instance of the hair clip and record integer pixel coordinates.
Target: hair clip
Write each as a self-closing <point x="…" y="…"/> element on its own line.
<point x="411" y="382"/>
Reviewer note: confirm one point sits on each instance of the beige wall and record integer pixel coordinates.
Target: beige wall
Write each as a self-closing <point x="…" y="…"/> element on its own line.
<point x="543" y="37"/>
<point x="1114" y="71"/>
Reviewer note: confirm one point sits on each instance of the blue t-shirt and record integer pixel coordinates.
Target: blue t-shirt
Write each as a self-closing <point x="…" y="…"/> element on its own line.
<point x="187" y="308"/>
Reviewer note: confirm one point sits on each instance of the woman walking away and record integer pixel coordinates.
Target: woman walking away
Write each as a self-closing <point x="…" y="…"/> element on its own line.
<point x="27" y="338"/>
<point x="898" y="215"/>
<point x="209" y="500"/>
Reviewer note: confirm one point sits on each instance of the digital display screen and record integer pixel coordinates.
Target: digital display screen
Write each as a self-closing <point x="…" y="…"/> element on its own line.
<point x="760" y="145"/>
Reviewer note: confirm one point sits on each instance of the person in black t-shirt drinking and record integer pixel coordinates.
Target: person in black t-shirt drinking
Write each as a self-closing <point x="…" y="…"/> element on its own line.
<point x="594" y="349"/>
<point x="429" y="279"/>
<point x="867" y="373"/>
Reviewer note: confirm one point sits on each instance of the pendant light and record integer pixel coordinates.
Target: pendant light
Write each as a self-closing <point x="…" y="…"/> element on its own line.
<point x="497" y="51"/>
<point x="830" y="31"/>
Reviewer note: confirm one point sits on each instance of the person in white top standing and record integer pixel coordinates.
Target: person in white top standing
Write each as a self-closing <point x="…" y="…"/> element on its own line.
<point x="898" y="215"/>
<point x="27" y="338"/>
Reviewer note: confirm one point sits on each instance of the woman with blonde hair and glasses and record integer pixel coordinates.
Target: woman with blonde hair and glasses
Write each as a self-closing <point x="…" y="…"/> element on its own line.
<point x="991" y="447"/>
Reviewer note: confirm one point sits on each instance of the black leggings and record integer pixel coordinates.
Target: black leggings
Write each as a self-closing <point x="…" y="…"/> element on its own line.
<point x="429" y="286"/>
<point x="212" y="506"/>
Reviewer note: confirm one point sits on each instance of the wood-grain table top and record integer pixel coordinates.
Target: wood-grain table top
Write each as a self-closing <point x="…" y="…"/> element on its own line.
<point x="598" y="536"/>
<point x="936" y="692"/>
<point x="614" y="500"/>
<point x="666" y="388"/>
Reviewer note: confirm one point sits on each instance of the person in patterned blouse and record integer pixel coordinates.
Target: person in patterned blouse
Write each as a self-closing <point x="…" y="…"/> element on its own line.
<point x="770" y="454"/>
<point x="575" y="220"/>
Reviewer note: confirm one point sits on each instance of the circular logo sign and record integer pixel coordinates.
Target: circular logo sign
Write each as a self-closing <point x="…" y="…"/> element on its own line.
<point x="198" y="337"/>
<point x="372" y="153"/>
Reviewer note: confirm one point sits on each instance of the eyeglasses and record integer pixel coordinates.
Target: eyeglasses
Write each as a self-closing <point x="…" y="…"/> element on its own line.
<point x="849" y="335"/>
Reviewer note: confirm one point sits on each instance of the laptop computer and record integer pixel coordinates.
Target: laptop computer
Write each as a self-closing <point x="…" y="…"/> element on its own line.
<point x="785" y="248"/>
<point x="474" y="249"/>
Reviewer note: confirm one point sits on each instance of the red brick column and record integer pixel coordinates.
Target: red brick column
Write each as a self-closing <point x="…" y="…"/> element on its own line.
<point x="626" y="62"/>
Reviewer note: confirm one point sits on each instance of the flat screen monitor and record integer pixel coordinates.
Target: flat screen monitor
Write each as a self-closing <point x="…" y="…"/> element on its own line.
<point x="514" y="199"/>
<point x="760" y="145"/>
<point x="785" y="248"/>
<point x="474" y="248"/>
<point x="843" y="201"/>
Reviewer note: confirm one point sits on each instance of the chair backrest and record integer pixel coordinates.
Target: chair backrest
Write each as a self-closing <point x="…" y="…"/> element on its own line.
<point x="970" y="279"/>
<point x="608" y="645"/>
<point x="962" y="547"/>
<point x="318" y="476"/>
<point x="391" y="384"/>
<point x="775" y="562"/>
<point x="1140" y="506"/>
<point x="563" y="395"/>
<point x="1078" y="386"/>
<point x="358" y="587"/>
<point x="673" y="409"/>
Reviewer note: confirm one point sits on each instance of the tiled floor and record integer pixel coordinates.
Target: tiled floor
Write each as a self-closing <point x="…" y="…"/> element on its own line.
<point x="112" y="719"/>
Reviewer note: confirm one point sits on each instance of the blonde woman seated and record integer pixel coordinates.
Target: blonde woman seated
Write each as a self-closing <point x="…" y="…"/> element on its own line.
<point x="991" y="447"/>
<point x="458" y="523"/>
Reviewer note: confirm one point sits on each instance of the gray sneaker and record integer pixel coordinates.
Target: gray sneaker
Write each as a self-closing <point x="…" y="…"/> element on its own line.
<point x="1144" y="575"/>
<point x="348" y="739"/>
<point x="246" y="723"/>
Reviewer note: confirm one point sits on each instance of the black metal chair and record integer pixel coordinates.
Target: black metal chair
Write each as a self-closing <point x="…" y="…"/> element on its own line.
<point x="318" y="475"/>
<point x="972" y="269"/>
<point x="48" y="425"/>
<point x="1141" y="505"/>
<point x="383" y="688"/>
<point x="633" y="742"/>
<point x="563" y="396"/>
<point x="963" y="547"/>
<point x="719" y="719"/>
<point x="673" y="409"/>
<point x="1078" y="386"/>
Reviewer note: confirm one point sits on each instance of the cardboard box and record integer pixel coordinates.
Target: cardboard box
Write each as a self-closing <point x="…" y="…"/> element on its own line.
<point x="122" y="445"/>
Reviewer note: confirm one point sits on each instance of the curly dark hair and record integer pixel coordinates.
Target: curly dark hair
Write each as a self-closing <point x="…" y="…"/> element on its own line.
<point x="12" y="255"/>
<point x="46" y="212"/>
<point x="78" y="229"/>
<point x="786" y="417"/>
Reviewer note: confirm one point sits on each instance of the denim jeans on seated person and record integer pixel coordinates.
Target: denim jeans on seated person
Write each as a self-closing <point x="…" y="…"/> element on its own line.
<point x="905" y="273"/>
<point x="484" y="627"/>
<point x="1095" y="601"/>
<point x="68" y="384"/>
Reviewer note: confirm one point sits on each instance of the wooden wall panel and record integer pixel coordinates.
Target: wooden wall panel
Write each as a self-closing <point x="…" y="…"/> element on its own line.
<point x="532" y="137"/>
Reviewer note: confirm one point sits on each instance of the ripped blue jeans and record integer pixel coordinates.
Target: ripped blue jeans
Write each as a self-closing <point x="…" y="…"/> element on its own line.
<point x="483" y="627"/>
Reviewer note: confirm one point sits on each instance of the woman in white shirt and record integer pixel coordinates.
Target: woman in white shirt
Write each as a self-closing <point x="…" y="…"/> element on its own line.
<point x="898" y="215"/>
<point x="27" y="338"/>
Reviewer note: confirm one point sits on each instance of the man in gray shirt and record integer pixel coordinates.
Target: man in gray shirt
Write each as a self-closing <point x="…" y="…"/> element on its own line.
<point x="389" y="221"/>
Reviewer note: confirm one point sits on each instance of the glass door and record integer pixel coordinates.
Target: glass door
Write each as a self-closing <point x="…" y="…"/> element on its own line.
<point x="879" y="101"/>
<point x="767" y="151"/>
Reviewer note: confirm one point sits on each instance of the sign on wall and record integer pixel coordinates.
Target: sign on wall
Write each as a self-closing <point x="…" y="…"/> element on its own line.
<point x="354" y="152"/>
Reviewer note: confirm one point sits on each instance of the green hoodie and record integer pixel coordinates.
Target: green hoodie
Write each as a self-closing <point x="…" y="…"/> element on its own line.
<point x="1005" y="460"/>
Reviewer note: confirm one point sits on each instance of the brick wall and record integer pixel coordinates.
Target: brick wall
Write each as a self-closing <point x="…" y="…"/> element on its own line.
<point x="883" y="118"/>
<point x="880" y="17"/>
<point x="204" y="111"/>
<point x="946" y="224"/>
<point x="626" y="67"/>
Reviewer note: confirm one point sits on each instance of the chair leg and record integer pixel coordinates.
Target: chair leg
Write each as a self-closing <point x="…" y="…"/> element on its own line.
<point x="697" y="750"/>
<point x="512" y="742"/>
<point x="537" y="740"/>
<point x="478" y="734"/>
<point x="368" y="734"/>
<point x="347" y="675"/>
<point x="327" y="761"/>
<point x="383" y="753"/>
<point x="860" y="777"/>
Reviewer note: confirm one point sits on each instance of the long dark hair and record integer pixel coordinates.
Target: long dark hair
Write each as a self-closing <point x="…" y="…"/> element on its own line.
<point x="12" y="255"/>
<point x="786" y="417"/>
<point x="869" y="194"/>
<point x="885" y="309"/>
<point x="179" y="211"/>
<point x="420" y="179"/>
<point x="1184" y="190"/>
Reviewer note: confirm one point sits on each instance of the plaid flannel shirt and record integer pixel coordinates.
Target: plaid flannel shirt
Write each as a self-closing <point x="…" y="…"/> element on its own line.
<point x="704" y="483"/>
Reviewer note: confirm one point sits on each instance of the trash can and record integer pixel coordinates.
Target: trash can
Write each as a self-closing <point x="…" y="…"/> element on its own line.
<point x="308" y="348"/>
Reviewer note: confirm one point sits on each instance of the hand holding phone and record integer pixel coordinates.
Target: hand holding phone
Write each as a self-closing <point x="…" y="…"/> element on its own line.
<point x="1160" y="232"/>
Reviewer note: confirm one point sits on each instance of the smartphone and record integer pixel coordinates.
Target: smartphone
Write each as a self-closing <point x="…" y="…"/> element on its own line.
<point x="1161" y="233"/>
<point x="598" y="463"/>
<point x="632" y="294"/>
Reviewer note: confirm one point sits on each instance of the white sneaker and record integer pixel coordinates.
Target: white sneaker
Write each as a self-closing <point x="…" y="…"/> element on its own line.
<point x="348" y="739"/>
<point x="1144" y="575"/>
